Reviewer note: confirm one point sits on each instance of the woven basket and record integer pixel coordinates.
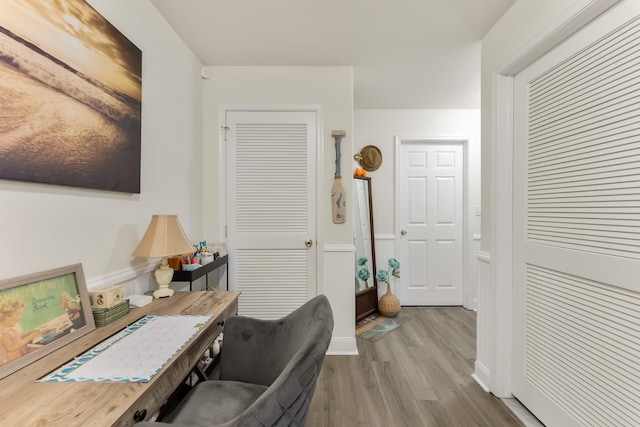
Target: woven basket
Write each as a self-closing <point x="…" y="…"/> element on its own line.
<point x="389" y="304"/>
<point x="104" y="316"/>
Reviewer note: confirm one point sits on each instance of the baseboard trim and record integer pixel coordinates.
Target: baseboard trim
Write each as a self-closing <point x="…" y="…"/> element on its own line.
<point x="482" y="376"/>
<point x="342" y="346"/>
<point x="521" y="412"/>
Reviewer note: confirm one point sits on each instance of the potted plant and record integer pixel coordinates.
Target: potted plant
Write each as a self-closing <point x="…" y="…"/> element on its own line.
<point x="389" y="304"/>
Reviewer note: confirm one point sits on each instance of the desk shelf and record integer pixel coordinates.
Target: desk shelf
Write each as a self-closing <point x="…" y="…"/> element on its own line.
<point x="191" y="276"/>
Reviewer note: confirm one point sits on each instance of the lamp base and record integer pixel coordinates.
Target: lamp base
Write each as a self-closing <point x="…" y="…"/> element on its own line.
<point x="163" y="274"/>
<point x="163" y="292"/>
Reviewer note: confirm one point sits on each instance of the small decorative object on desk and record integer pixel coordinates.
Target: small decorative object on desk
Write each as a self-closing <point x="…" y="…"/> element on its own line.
<point x="389" y="304"/>
<point x="108" y="296"/>
<point x="189" y="263"/>
<point x="175" y="262"/>
<point x="206" y="258"/>
<point x="190" y="267"/>
<point x="104" y="316"/>
<point x="204" y="254"/>
<point x="136" y="301"/>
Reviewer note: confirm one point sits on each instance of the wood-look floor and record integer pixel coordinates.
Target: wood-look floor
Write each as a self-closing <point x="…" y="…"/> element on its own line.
<point x="418" y="375"/>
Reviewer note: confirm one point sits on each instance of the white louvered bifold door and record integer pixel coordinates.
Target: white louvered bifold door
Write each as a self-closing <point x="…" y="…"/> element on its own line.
<point x="271" y="210"/>
<point x="576" y="332"/>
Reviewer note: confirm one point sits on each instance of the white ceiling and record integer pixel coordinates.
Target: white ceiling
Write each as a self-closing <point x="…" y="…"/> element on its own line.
<point x="406" y="54"/>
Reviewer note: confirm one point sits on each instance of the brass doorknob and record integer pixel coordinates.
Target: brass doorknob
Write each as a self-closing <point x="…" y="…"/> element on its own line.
<point x="308" y="243"/>
<point x="403" y="232"/>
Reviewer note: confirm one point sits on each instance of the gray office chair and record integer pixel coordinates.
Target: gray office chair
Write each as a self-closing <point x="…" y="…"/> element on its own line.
<point x="268" y="372"/>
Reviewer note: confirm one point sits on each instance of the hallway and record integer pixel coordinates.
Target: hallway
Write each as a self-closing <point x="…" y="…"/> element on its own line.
<point x="417" y="376"/>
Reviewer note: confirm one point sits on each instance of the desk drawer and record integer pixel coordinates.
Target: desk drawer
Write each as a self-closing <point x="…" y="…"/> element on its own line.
<point x="174" y="374"/>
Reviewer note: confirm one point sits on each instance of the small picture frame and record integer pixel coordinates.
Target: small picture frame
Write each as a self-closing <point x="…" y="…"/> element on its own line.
<point x="40" y="313"/>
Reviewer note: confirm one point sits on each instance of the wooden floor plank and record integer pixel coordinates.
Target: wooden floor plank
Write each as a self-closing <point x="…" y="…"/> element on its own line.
<point x="418" y="375"/>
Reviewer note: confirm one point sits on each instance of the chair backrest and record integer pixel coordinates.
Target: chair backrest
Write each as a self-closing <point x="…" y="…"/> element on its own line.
<point x="257" y="351"/>
<point x="290" y="366"/>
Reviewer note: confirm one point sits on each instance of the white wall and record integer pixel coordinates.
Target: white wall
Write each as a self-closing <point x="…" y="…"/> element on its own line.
<point x="379" y="128"/>
<point x="44" y="226"/>
<point x="331" y="88"/>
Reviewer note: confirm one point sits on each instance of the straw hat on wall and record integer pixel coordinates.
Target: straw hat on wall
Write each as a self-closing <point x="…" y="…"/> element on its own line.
<point x="370" y="158"/>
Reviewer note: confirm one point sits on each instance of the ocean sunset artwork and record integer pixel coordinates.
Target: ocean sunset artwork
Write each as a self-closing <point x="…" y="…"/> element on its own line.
<point x="70" y="97"/>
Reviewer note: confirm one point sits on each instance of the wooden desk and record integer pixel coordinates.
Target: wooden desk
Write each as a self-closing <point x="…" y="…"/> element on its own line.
<point x="25" y="402"/>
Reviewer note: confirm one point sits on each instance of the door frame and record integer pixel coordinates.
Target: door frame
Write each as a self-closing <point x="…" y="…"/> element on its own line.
<point x="499" y="304"/>
<point x="319" y="153"/>
<point x="468" y="296"/>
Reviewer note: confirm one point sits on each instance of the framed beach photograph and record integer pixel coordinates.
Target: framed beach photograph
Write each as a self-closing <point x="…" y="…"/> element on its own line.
<point x="41" y="312"/>
<point x="71" y="96"/>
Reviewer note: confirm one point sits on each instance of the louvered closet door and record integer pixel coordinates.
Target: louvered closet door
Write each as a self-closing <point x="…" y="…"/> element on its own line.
<point x="577" y="228"/>
<point x="271" y="210"/>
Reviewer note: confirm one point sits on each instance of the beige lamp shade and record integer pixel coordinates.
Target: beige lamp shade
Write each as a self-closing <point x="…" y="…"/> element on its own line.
<point x="164" y="237"/>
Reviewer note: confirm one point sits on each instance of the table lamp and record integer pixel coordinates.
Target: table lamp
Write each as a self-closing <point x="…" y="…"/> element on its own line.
<point x="163" y="238"/>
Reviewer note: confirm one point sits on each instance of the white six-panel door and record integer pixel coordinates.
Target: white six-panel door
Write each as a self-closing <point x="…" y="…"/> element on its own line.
<point x="576" y="236"/>
<point x="430" y="215"/>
